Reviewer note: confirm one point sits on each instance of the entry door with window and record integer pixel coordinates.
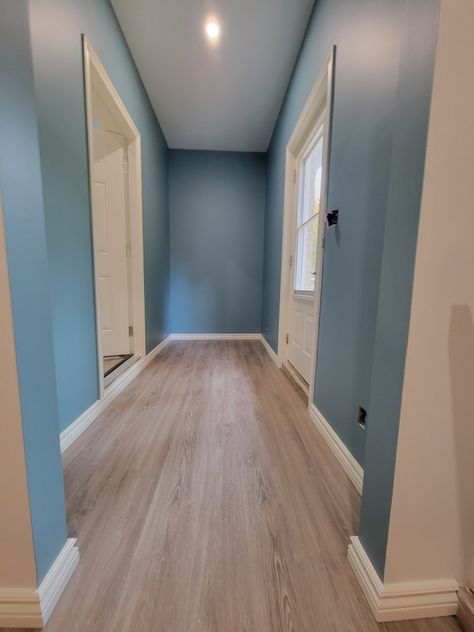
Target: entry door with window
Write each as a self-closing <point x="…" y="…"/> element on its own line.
<point x="309" y="228"/>
<point x="110" y="241"/>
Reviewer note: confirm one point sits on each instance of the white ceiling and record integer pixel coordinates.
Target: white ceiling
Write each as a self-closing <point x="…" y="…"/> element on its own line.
<point x="225" y="97"/>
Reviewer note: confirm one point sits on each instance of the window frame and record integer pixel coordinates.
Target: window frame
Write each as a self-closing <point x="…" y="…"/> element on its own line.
<point x="306" y="151"/>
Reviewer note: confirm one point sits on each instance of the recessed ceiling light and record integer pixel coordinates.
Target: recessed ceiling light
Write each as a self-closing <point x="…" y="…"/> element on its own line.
<point x="213" y="29"/>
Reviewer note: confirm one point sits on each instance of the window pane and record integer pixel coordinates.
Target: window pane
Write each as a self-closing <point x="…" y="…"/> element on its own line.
<point x="310" y="184"/>
<point x="306" y="255"/>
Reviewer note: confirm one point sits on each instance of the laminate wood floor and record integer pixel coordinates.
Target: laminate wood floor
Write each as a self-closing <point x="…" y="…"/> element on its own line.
<point x="204" y="499"/>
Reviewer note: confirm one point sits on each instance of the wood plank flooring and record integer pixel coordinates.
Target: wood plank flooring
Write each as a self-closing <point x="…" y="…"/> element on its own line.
<point x="204" y="500"/>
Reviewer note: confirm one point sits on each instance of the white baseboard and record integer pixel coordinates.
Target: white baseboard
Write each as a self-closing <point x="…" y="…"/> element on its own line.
<point x="57" y="578"/>
<point x="404" y="600"/>
<point x="270" y="351"/>
<point x="351" y="467"/>
<point x="70" y="434"/>
<point x="31" y="607"/>
<point x="215" y="336"/>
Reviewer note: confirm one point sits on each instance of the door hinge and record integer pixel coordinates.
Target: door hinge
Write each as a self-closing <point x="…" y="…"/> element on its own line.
<point x="130" y="331"/>
<point x="128" y="250"/>
<point x="287" y="338"/>
<point x="291" y="260"/>
<point x="125" y="162"/>
<point x="294" y="176"/>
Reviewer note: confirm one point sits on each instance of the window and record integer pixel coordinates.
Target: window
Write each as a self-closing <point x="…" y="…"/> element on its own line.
<point x="307" y="220"/>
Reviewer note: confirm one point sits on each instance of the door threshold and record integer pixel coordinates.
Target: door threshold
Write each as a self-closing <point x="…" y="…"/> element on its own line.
<point x="300" y="384"/>
<point x="120" y="370"/>
<point x="115" y="361"/>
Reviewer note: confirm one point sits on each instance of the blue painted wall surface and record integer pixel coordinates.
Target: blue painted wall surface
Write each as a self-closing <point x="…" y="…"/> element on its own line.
<point x="367" y="36"/>
<point x="217" y="206"/>
<point x="56" y="27"/>
<point x="20" y="184"/>
<point x="401" y="228"/>
<point x="374" y="42"/>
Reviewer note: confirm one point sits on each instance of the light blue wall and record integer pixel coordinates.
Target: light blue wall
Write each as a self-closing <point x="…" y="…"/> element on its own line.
<point x="366" y="34"/>
<point x="56" y="27"/>
<point x="217" y="206"/>
<point x="20" y="184"/>
<point x="401" y="227"/>
<point x="380" y="102"/>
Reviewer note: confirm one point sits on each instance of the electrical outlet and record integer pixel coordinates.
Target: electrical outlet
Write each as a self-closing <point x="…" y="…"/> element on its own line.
<point x="362" y="417"/>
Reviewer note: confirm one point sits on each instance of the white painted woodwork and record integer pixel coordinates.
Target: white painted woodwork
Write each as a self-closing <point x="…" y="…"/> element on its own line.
<point x="315" y="114"/>
<point x="110" y="241"/>
<point x="308" y="230"/>
<point x="300" y="344"/>
<point x="104" y="105"/>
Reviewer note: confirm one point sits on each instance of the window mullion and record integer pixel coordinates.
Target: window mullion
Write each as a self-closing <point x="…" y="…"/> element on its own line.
<point x="308" y="221"/>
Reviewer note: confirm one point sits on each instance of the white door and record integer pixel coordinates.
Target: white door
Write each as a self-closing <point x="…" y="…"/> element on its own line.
<point x="306" y="259"/>
<point x="109" y="219"/>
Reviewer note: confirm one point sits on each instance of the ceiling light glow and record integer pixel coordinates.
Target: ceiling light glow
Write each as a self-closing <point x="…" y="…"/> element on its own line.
<point x="213" y="29"/>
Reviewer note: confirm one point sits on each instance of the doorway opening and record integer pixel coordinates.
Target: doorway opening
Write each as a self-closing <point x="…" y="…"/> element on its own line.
<point x="117" y="233"/>
<point x="304" y="223"/>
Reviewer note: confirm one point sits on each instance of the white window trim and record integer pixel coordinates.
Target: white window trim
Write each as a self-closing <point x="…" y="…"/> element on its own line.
<point x="319" y="100"/>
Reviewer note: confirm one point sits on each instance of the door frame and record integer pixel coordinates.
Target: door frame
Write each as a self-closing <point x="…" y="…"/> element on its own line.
<point x="96" y="79"/>
<point x="320" y="100"/>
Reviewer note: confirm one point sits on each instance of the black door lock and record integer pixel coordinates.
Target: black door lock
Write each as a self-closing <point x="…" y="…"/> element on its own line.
<point x="333" y="217"/>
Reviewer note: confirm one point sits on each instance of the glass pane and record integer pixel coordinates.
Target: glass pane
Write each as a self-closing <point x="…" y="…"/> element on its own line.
<point x="310" y="184"/>
<point x="306" y="255"/>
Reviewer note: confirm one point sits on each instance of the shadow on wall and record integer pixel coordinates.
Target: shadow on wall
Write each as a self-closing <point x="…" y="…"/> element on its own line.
<point x="461" y="361"/>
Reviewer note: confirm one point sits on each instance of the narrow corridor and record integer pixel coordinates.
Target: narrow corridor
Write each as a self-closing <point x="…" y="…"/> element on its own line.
<point x="205" y="499"/>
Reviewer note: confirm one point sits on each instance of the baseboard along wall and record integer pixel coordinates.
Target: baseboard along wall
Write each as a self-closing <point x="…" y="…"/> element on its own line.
<point x="403" y="600"/>
<point x="349" y="464"/>
<point x="77" y="427"/>
<point x="70" y="434"/>
<point x="215" y="337"/>
<point x="32" y="607"/>
<point x="465" y="613"/>
<point x="389" y="602"/>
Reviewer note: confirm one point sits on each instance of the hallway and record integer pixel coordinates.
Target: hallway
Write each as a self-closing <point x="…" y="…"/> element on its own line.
<point x="205" y="499"/>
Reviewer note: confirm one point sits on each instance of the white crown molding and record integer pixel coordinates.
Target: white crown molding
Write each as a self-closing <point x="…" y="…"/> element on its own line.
<point x="351" y="467"/>
<point x="270" y="351"/>
<point x="72" y="432"/>
<point x="31" y="607"/>
<point x="402" y="600"/>
<point x="215" y="336"/>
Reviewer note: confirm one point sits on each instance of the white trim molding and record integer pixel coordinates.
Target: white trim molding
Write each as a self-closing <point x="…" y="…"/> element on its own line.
<point x="270" y="351"/>
<point x="30" y="607"/>
<point x="77" y="427"/>
<point x="404" y="600"/>
<point x="350" y="466"/>
<point x="57" y="578"/>
<point x="98" y="83"/>
<point x="317" y="110"/>
<point x="259" y="337"/>
<point x="72" y="432"/>
<point x="215" y="336"/>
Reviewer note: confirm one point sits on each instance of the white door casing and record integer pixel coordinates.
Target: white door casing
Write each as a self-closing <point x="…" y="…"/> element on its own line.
<point x="109" y="218"/>
<point x="104" y="106"/>
<point x="308" y="234"/>
<point x="303" y="315"/>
